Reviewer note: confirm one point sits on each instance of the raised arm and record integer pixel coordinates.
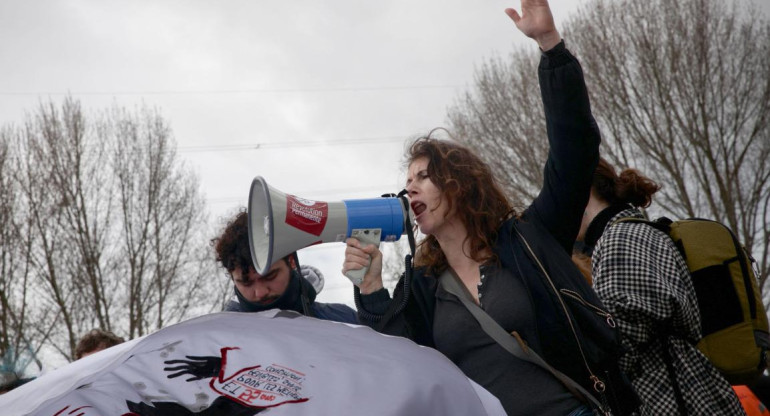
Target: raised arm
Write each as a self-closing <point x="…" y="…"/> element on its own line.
<point x="573" y="136"/>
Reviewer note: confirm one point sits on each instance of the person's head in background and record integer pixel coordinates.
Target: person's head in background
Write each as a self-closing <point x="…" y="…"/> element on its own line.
<point x="287" y="285"/>
<point x="233" y="253"/>
<point x="610" y="189"/>
<point x="94" y="341"/>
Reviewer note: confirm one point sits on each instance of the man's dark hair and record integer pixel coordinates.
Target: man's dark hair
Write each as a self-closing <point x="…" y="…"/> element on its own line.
<point x="96" y="340"/>
<point x="232" y="247"/>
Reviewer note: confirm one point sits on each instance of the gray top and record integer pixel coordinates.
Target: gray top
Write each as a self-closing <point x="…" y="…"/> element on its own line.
<point x="458" y="335"/>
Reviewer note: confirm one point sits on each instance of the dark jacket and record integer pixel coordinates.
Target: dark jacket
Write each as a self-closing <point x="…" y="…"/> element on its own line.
<point x="293" y="300"/>
<point x="550" y="226"/>
<point x="327" y="311"/>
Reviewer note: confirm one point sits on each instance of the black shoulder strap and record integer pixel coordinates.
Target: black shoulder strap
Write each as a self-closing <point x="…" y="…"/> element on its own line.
<point x="672" y="375"/>
<point x="511" y="342"/>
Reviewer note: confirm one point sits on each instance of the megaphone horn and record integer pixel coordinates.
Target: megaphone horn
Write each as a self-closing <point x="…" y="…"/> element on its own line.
<point x="280" y="224"/>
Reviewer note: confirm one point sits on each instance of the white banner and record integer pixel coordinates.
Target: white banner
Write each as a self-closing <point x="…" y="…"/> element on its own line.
<point x="250" y="363"/>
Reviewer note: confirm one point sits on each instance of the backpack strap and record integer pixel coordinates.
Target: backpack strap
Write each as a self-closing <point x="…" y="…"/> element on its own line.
<point x="512" y="343"/>
<point x="662" y="223"/>
<point x="680" y="404"/>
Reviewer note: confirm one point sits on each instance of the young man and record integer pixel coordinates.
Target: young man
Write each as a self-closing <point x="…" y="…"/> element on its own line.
<point x="285" y="286"/>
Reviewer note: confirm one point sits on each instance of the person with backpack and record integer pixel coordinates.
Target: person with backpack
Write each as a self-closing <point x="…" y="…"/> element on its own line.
<point x="493" y="257"/>
<point x="645" y="284"/>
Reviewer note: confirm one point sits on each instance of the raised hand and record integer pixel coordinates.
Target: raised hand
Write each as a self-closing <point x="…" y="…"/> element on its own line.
<point x="198" y="367"/>
<point x="536" y="22"/>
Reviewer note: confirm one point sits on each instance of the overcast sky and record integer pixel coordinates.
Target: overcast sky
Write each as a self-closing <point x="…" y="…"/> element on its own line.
<point x="328" y="90"/>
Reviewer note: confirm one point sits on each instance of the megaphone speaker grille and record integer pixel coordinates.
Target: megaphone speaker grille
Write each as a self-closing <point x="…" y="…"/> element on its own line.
<point x="260" y="225"/>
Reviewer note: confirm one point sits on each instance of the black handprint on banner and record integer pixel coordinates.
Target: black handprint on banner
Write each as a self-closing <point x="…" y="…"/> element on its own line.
<point x="198" y="367"/>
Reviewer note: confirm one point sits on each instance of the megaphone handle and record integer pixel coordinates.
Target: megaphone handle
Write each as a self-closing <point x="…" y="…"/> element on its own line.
<point x="366" y="237"/>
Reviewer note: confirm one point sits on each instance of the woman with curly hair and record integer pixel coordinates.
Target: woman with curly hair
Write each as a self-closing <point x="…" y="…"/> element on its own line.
<point x="471" y="229"/>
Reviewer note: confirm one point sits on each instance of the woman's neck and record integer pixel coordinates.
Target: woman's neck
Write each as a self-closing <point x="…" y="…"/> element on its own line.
<point x="595" y="206"/>
<point x="599" y="223"/>
<point x="457" y="249"/>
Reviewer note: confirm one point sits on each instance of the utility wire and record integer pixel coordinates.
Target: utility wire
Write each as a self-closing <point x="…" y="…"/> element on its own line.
<point x="276" y="145"/>
<point x="236" y="91"/>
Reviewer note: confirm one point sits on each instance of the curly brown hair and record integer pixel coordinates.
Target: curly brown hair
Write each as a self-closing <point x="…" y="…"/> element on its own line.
<point x="470" y="189"/>
<point x="630" y="187"/>
<point x="96" y="340"/>
<point x="232" y="246"/>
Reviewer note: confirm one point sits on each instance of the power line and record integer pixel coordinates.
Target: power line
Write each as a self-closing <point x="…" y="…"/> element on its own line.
<point x="275" y="145"/>
<point x="236" y="91"/>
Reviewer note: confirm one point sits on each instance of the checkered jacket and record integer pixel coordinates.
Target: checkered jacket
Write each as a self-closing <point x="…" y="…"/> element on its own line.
<point x="643" y="281"/>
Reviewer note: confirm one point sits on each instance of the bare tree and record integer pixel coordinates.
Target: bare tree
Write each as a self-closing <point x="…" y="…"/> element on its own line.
<point x="103" y="227"/>
<point x="54" y="178"/>
<point x="681" y="90"/>
<point x="16" y="348"/>
<point x="503" y="121"/>
<point x="393" y="261"/>
<point x="164" y="245"/>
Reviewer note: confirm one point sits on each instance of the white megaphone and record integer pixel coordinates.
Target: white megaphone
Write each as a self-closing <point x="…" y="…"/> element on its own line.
<point x="280" y="224"/>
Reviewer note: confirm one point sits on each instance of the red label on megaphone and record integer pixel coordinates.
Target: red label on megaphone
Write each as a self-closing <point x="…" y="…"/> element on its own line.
<point x="306" y="215"/>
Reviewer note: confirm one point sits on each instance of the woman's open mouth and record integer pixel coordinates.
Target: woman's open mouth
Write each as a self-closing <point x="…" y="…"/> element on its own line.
<point x="418" y="208"/>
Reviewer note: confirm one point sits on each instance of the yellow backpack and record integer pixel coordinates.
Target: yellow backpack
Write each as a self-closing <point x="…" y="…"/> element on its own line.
<point x="733" y="317"/>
